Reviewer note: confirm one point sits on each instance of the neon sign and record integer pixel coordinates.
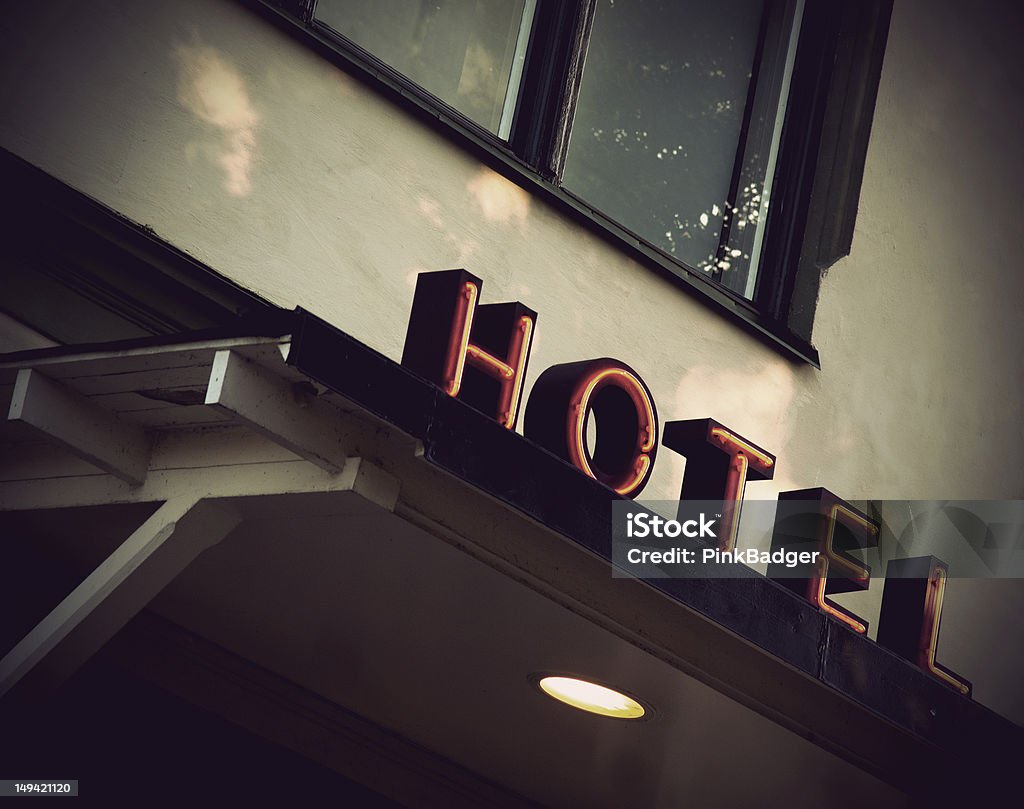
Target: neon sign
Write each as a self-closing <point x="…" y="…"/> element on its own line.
<point x="478" y="353"/>
<point x="911" y="614"/>
<point x="718" y="464"/>
<point x="566" y="396"/>
<point x="832" y="528"/>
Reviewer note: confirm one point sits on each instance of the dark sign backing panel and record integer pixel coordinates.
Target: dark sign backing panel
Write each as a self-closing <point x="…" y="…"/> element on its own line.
<point x="946" y="728"/>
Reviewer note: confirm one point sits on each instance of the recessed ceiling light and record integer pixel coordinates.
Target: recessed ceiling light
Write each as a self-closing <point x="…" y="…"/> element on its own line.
<point x="591" y="697"/>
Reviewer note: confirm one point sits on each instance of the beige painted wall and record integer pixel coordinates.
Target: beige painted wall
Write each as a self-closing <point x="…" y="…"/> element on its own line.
<point x="262" y="160"/>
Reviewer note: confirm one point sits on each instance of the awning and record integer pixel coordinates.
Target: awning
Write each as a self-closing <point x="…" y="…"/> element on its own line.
<point x="373" y="544"/>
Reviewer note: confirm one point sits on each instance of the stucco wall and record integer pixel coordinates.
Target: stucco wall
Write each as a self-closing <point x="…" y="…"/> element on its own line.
<point x="262" y="160"/>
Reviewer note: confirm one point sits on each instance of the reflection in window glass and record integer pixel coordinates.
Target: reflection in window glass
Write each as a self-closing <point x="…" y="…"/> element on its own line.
<point x="468" y="53"/>
<point x="676" y="125"/>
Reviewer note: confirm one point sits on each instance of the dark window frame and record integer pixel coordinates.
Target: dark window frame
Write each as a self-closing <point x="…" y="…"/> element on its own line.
<point x="818" y="173"/>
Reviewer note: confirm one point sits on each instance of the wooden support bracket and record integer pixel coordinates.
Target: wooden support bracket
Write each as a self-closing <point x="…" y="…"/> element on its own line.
<point x="155" y="553"/>
<point x="291" y="417"/>
<point x="83" y="427"/>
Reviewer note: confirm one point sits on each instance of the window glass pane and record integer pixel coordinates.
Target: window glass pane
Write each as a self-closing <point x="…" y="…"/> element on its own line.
<point x="468" y="53"/>
<point x="673" y="92"/>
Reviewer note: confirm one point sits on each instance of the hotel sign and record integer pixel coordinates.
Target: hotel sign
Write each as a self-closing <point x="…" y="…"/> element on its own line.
<point x="479" y="353"/>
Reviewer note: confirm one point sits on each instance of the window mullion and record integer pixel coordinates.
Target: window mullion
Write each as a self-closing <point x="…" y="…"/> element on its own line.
<point x="570" y="91"/>
<point x="554" y="62"/>
<point x="731" y="201"/>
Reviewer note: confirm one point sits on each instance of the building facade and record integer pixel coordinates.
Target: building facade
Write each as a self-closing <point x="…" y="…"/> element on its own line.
<point x="252" y="190"/>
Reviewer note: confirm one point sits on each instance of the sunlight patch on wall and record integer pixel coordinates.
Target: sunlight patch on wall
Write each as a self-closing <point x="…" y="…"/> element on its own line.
<point x="499" y="200"/>
<point x="431" y="211"/>
<point x="457" y="247"/>
<point x="756" y="402"/>
<point x="213" y="90"/>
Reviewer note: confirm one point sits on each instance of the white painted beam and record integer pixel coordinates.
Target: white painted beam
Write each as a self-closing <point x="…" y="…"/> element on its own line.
<point x="374" y="484"/>
<point x="75" y="364"/>
<point x="231" y="462"/>
<point x="124" y="583"/>
<point x="310" y="428"/>
<point x="83" y="427"/>
<point x="227" y="480"/>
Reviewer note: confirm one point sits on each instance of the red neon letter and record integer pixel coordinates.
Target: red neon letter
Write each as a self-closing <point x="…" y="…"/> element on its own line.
<point x="912" y="612"/>
<point x="559" y="409"/>
<point x="449" y="333"/>
<point x="718" y="464"/>
<point x="815" y="520"/>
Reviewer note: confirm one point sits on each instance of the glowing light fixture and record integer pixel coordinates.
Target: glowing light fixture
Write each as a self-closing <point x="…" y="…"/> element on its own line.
<point x="591" y="697"/>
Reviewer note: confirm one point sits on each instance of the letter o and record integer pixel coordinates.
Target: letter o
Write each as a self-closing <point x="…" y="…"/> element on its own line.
<point x="564" y="397"/>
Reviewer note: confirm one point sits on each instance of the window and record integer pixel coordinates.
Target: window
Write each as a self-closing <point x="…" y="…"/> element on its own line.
<point x="468" y="53"/>
<point x="720" y="141"/>
<point x="677" y="125"/>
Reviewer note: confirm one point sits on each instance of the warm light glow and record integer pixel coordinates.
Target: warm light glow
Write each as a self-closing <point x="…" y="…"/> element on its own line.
<point x="732" y="504"/>
<point x="726" y="438"/>
<point x="462" y="352"/>
<point x="860" y="574"/>
<point x="819" y="600"/>
<point x="488" y="362"/>
<point x="519" y="347"/>
<point x="643" y="463"/>
<point x="743" y="454"/>
<point x="592" y="697"/>
<point x="933" y="609"/>
<point x="578" y="419"/>
<point x="456" y="360"/>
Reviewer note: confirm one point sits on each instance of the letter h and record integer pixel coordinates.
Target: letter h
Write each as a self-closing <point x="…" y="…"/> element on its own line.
<point x="476" y="353"/>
